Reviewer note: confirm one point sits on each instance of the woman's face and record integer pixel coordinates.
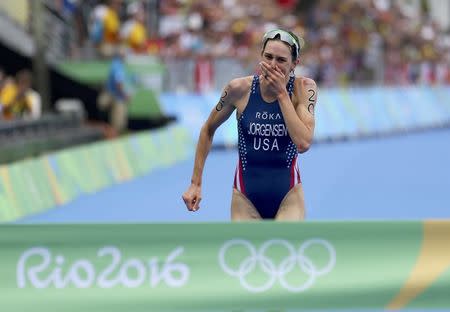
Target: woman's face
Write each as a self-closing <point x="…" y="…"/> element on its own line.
<point x="278" y="53"/>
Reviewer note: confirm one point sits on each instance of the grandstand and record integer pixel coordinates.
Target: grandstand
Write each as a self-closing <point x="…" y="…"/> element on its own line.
<point x="91" y="216"/>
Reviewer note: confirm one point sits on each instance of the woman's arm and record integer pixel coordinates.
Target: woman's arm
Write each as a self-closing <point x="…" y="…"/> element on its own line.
<point x="300" y="120"/>
<point x="221" y="112"/>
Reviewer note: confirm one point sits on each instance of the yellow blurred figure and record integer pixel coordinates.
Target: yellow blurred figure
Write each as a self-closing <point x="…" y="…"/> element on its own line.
<point x="110" y="28"/>
<point x="111" y="25"/>
<point x="16" y="97"/>
<point x="133" y="33"/>
<point x="137" y="38"/>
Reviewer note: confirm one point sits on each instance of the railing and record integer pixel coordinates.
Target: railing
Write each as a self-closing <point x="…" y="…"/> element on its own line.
<point x="59" y="34"/>
<point x="199" y="74"/>
<point x="58" y="29"/>
<point x="20" y="139"/>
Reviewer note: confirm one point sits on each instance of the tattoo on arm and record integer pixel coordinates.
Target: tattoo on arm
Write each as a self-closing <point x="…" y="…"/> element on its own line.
<point x="219" y="105"/>
<point x="311" y="101"/>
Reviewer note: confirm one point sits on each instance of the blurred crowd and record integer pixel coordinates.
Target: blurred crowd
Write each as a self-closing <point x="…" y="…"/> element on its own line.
<point x="352" y="41"/>
<point x="356" y="41"/>
<point x="107" y="29"/>
<point x="345" y="42"/>
<point x="103" y="24"/>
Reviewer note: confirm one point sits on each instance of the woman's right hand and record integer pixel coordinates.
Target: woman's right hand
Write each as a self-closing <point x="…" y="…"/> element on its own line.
<point x="192" y="197"/>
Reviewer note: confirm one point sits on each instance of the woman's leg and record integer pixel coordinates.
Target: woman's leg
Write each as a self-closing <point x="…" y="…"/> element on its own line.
<point x="292" y="208"/>
<point x="242" y="209"/>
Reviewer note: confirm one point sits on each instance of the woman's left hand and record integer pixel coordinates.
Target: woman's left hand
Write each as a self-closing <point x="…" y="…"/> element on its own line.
<point x="275" y="78"/>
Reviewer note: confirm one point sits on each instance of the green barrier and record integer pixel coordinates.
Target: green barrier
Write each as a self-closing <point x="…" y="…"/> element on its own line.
<point x="147" y="70"/>
<point x="96" y="72"/>
<point x="33" y="186"/>
<point x="225" y="267"/>
<point x="144" y="103"/>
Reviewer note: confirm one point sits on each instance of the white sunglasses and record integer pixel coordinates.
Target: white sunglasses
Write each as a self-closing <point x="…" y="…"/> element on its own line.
<point x="283" y="36"/>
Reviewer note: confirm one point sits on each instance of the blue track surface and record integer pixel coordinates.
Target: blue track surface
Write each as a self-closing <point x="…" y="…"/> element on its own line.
<point x="398" y="178"/>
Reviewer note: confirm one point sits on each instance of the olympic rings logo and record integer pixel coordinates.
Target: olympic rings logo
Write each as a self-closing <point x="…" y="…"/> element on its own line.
<point x="295" y="258"/>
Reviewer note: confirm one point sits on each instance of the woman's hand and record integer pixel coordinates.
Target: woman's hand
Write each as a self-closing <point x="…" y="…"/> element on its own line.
<point x="275" y="78"/>
<point x="192" y="197"/>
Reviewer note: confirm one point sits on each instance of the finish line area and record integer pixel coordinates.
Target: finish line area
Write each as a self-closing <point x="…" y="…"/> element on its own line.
<point x="258" y="266"/>
<point x="368" y="243"/>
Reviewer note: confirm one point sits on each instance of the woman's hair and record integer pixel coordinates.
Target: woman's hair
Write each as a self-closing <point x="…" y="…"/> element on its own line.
<point x="292" y="48"/>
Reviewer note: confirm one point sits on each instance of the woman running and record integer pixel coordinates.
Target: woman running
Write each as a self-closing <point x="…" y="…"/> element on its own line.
<point x="275" y="115"/>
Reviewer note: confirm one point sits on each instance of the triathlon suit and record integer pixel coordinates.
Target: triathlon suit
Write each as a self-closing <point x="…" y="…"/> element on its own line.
<point x="267" y="166"/>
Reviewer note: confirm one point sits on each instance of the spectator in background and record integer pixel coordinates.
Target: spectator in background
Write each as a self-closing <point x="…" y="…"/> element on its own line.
<point x="95" y="24"/>
<point x="18" y="99"/>
<point x="105" y="27"/>
<point x="133" y="33"/>
<point x="115" y="98"/>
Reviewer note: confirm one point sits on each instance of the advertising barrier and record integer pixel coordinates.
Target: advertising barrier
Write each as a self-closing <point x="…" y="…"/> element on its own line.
<point x="225" y="267"/>
<point x="34" y="185"/>
<point x="341" y="113"/>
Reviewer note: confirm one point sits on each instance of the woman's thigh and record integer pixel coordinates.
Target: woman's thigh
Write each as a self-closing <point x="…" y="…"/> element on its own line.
<point x="242" y="209"/>
<point x="292" y="208"/>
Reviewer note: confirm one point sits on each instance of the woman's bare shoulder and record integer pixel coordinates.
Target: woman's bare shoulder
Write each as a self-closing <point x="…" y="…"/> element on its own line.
<point x="305" y="88"/>
<point x="305" y="81"/>
<point x="240" y="86"/>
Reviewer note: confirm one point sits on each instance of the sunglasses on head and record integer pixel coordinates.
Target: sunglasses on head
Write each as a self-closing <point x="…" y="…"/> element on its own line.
<point x="283" y="36"/>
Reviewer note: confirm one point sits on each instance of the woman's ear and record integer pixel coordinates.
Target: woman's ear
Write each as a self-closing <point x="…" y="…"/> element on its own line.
<point x="295" y="64"/>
